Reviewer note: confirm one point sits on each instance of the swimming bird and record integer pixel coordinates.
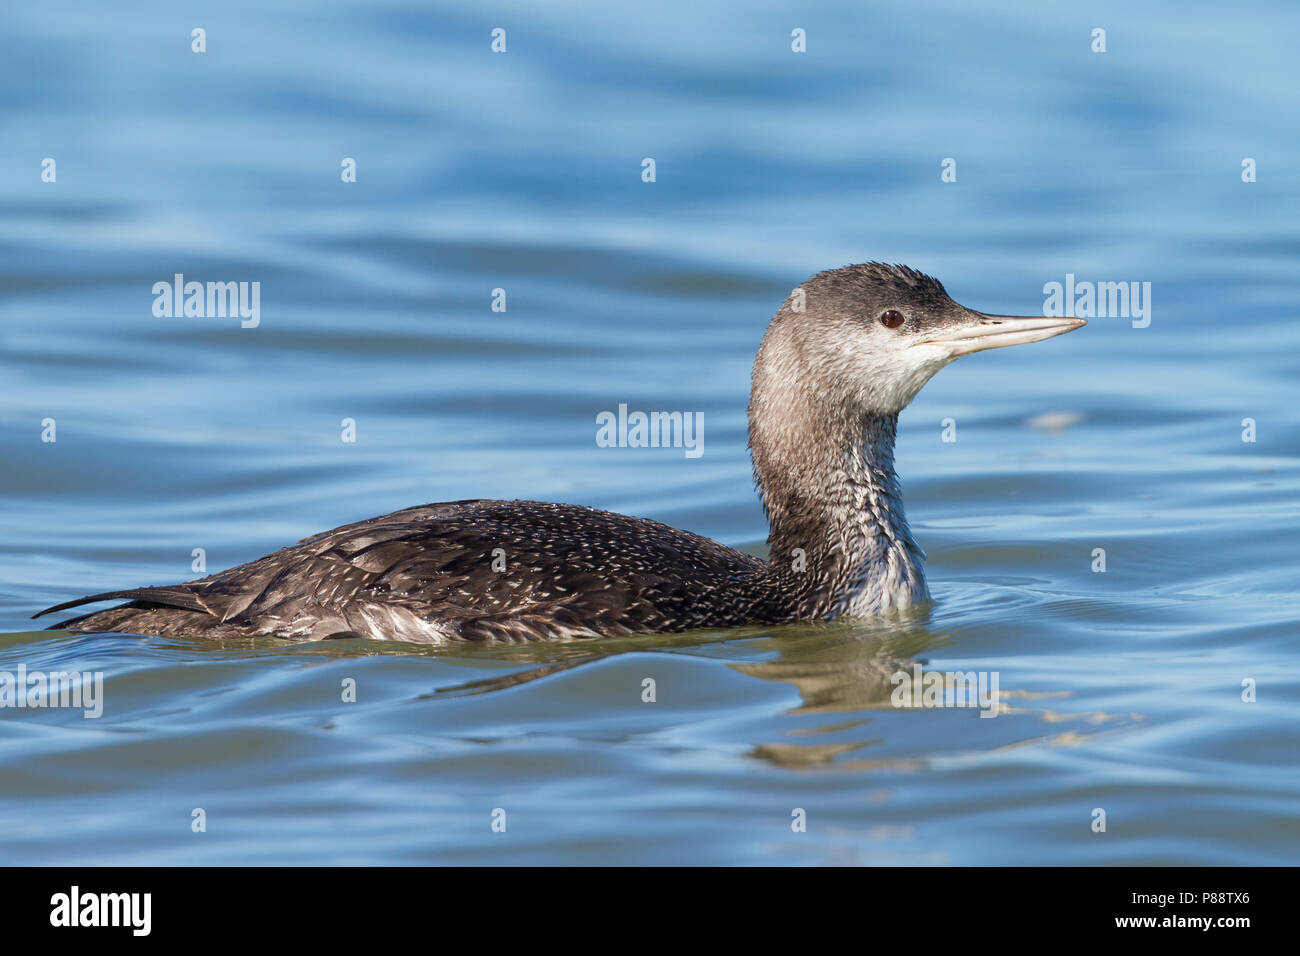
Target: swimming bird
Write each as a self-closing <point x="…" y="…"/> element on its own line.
<point x="840" y="360"/>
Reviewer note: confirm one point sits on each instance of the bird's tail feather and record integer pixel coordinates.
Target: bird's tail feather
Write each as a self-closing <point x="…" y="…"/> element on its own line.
<point x="172" y="596"/>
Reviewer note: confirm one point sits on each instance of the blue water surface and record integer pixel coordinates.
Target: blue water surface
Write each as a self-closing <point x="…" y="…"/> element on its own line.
<point x="523" y="171"/>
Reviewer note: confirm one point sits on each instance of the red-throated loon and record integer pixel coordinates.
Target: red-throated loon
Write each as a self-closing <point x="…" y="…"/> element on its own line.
<point x="841" y="358"/>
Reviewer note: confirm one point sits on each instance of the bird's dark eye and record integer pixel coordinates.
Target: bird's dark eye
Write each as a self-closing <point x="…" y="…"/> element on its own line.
<point x="891" y="318"/>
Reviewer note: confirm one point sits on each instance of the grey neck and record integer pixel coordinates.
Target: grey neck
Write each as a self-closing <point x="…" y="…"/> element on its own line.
<point x="839" y="540"/>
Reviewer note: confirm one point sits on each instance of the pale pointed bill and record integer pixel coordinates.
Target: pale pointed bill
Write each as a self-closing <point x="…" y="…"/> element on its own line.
<point x="997" y="331"/>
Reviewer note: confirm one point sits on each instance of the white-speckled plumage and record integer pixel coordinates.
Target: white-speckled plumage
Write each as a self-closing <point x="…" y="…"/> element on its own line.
<point x="840" y="360"/>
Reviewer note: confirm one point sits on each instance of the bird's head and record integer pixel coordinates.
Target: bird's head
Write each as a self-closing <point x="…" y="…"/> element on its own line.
<point x="869" y="336"/>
